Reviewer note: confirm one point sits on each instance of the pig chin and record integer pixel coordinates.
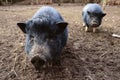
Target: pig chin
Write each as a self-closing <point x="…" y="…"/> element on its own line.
<point x="94" y="25"/>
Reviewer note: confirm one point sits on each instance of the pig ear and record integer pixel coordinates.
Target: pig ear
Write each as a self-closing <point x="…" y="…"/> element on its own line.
<point x="22" y="26"/>
<point x="103" y="14"/>
<point x="61" y="27"/>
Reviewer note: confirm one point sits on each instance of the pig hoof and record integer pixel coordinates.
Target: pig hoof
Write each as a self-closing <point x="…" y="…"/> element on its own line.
<point x="83" y="24"/>
<point x="37" y="61"/>
<point x="95" y="30"/>
<point x="86" y="29"/>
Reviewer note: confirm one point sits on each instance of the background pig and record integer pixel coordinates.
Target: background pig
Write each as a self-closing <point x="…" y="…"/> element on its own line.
<point x="46" y="35"/>
<point x="92" y="16"/>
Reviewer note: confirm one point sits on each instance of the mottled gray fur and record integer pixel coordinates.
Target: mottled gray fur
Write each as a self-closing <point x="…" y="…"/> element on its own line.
<point x="46" y="35"/>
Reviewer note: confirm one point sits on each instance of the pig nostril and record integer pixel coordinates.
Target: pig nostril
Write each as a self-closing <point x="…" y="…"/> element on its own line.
<point x="95" y="24"/>
<point x="37" y="61"/>
<point x="34" y="59"/>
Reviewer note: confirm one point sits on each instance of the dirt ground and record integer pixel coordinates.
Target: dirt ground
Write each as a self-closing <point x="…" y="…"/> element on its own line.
<point x="87" y="56"/>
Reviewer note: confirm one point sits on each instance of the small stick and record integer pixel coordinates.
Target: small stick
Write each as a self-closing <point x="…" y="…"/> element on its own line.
<point x="12" y="70"/>
<point x="9" y="74"/>
<point x="25" y="62"/>
<point x="90" y="77"/>
<point x="15" y="62"/>
<point x="116" y="35"/>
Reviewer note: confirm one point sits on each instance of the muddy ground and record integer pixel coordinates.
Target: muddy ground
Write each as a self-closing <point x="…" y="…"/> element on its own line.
<point x="87" y="56"/>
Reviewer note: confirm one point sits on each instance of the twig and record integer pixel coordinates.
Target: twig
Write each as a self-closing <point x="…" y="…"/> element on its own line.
<point x="12" y="70"/>
<point x="102" y="55"/>
<point x="25" y="62"/>
<point x="14" y="65"/>
<point x="116" y="35"/>
<point x="11" y="73"/>
<point x="90" y="77"/>
<point x="1" y="60"/>
<point x="15" y="62"/>
<point x="89" y="74"/>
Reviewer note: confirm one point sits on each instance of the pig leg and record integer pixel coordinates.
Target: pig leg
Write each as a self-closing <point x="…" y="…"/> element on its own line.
<point x="86" y="29"/>
<point x="83" y="24"/>
<point x="94" y="30"/>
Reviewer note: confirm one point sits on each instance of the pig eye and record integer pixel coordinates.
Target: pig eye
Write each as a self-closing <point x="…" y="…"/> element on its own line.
<point x="31" y="38"/>
<point x="49" y="36"/>
<point x="91" y="16"/>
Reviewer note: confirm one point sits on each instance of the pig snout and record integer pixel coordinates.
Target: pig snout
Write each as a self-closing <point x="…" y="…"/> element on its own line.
<point x="37" y="61"/>
<point x="39" y="55"/>
<point x="94" y="24"/>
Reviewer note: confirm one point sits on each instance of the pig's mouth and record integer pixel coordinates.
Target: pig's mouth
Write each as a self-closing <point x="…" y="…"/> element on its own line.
<point x="94" y="25"/>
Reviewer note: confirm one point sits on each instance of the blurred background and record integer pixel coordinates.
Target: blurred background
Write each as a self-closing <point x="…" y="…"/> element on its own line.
<point x="59" y="2"/>
<point x="87" y="56"/>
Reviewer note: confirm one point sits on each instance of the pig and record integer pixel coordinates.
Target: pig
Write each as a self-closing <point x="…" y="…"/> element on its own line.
<point x="46" y="35"/>
<point x="92" y="15"/>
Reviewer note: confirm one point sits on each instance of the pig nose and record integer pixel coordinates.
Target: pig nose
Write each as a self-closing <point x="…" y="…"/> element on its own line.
<point x="95" y="23"/>
<point x="37" y="61"/>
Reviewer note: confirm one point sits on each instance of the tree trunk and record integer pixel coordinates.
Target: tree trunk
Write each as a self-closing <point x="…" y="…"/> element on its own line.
<point x="37" y="1"/>
<point x="6" y="2"/>
<point x="32" y="2"/>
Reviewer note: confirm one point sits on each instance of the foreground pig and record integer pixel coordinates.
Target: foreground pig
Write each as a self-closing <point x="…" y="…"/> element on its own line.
<point x="46" y="35"/>
<point x="92" y="16"/>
